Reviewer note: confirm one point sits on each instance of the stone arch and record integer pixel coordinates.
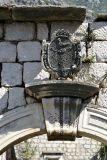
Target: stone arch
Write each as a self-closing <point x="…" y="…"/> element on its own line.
<point x="20" y="124"/>
<point x="92" y="124"/>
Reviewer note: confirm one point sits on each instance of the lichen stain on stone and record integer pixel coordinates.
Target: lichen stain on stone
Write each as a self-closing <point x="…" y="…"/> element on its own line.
<point x="40" y="2"/>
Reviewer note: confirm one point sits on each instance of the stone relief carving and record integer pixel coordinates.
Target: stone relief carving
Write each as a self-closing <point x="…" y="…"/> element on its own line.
<point x="61" y="55"/>
<point x="61" y="117"/>
<point x="62" y="100"/>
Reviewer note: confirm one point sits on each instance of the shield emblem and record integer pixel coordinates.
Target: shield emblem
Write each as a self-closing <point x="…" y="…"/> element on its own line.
<point x="61" y="55"/>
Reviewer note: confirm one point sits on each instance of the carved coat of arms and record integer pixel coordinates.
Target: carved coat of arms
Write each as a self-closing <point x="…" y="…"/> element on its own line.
<point x="61" y="55"/>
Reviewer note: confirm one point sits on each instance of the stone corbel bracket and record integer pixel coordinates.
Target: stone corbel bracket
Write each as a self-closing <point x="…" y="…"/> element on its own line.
<point x="62" y="105"/>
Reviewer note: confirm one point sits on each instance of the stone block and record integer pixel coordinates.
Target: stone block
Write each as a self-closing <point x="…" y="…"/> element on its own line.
<point x="33" y="72"/>
<point x="67" y="26"/>
<point x="19" y="31"/>
<point x="42" y="31"/>
<point x="48" y="13"/>
<point x="100" y="30"/>
<point x="30" y="100"/>
<point x="3" y="156"/>
<point x="92" y="73"/>
<point x="29" y="51"/>
<point x="87" y="146"/>
<point x="83" y="50"/>
<point x="93" y="146"/>
<point x="7" y="52"/>
<point x="99" y="48"/>
<point x="40" y="2"/>
<point x="102" y="99"/>
<point x="7" y="2"/>
<point x="1" y="30"/>
<point x="11" y="74"/>
<point x="16" y="97"/>
<point x="3" y="99"/>
<point x="94" y="142"/>
<point x="5" y="12"/>
<point x="81" y="31"/>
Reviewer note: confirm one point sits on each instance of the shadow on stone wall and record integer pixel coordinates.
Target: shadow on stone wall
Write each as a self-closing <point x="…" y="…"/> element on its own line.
<point x="101" y="154"/>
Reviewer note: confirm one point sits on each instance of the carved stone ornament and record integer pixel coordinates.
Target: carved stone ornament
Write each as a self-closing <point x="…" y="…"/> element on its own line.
<point x="61" y="117"/>
<point x="62" y="100"/>
<point x="61" y="55"/>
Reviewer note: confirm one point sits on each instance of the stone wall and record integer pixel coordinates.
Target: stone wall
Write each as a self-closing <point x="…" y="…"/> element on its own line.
<point x="81" y="149"/>
<point x="20" y="64"/>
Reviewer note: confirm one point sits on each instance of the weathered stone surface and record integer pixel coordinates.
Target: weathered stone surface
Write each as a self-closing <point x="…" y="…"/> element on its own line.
<point x="61" y="55"/>
<point x="29" y="51"/>
<point x="20" y="124"/>
<point x="81" y="31"/>
<point x="3" y="98"/>
<point x="7" y="2"/>
<point x="7" y="52"/>
<point x="30" y="100"/>
<point x="67" y="26"/>
<point x="71" y="150"/>
<point x="31" y="71"/>
<point x="11" y="74"/>
<point x="67" y="13"/>
<point x="3" y="156"/>
<point x="74" y="150"/>
<point x="16" y="97"/>
<point x="43" y="75"/>
<point x="1" y="30"/>
<point x="92" y="73"/>
<point x="5" y="13"/>
<point x="63" y="88"/>
<point x="39" y="2"/>
<point x="19" y="31"/>
<point x="100" y="30"/>
<point x="10" y="10"/>
<point x="92" y="123"/>
<point x="42" y="31"/>
<point x="32" y="118"/>
<point x="54" y="121"/>
<point x="83" y="50"/>
<point x="99" y="48"/>
<point x="102" y="98"/>
<point x="30" y="11"/>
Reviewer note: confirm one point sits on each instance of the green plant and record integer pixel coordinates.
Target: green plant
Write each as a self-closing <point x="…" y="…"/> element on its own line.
<point x="103" y="152"/>
<point x="89" y="59"/>
<point x="102" y="82"/>
<point x="89" y="35"/>
<point x="29" y="150"/>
